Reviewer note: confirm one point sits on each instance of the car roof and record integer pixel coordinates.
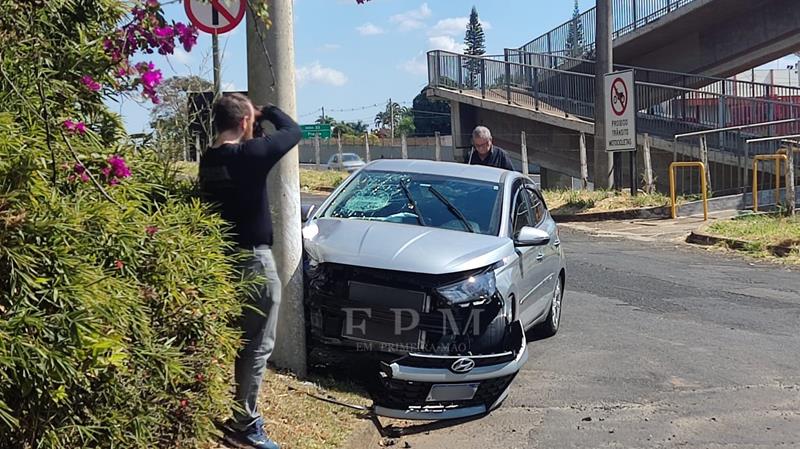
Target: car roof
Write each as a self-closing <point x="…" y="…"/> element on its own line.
<point x="457" y="170"/>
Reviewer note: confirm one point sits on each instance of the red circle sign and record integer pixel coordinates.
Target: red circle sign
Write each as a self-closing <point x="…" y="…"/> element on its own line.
<point x="619" y="97"/>
<point x="215" y="16"/>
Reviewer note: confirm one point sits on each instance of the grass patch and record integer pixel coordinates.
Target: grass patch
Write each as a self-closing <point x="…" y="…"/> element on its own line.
<point x="761" y="231"/>
<point x="298" y="421"/>
<point x="568" y="202"/>
<point x="310" y="180"/>
<point x="317" y="180"/>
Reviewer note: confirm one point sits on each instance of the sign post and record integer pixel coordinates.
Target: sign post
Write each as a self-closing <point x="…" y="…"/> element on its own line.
<point x="215" y="17"/>
<point x="620" y="111"/>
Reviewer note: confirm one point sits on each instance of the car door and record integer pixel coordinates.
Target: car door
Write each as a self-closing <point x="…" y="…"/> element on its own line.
<point x="530" y="258"/>
<point x="333" y="163"/>
<point x="549" y="253"/>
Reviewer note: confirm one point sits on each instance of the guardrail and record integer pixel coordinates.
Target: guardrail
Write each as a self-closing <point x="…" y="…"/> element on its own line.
<point x="629" y="15"/>
<point x="673" y="193"/>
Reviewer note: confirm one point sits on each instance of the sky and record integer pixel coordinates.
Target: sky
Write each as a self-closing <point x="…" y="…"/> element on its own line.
<point x="350" y="58"/>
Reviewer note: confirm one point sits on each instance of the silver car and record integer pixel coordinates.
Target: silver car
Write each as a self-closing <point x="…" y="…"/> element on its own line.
<point x="350" y="162"/>
<point x="437" y="270"/>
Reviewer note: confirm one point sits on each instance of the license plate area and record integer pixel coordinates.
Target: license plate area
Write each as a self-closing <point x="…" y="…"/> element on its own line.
<point x="452" y="392"/>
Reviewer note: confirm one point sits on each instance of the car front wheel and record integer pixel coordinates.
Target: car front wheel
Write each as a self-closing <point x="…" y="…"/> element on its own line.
<point x="550" y="326"/>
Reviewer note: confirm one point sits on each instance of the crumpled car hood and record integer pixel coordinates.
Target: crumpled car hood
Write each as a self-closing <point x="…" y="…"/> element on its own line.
<point x="401" y="247"/>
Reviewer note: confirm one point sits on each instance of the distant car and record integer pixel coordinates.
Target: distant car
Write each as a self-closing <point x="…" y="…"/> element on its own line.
<point x="350" y="162"/>
<point x="436" y="270"/>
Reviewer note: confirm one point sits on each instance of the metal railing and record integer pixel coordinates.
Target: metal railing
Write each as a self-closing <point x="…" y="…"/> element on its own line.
<point x="663" y="110"/>
<point x="629" y="15"/>
<point x="711" y="84"/>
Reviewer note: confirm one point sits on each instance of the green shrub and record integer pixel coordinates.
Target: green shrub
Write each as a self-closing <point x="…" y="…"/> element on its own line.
<point x="114" y="318"/>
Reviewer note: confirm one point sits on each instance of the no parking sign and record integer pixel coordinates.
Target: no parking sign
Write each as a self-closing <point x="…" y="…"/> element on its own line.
<point x="215" y="16"/>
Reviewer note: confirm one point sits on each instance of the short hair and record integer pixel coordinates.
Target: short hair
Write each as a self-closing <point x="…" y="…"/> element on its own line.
<point x="481" y="132"/>
<point x="229" y="110"/>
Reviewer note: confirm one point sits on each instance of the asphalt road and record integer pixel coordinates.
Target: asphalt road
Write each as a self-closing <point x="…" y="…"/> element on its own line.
<point x="662" y="346"/>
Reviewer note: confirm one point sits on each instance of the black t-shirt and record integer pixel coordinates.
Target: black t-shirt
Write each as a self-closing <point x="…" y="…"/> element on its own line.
<point x="497" y="157"/>
<point x="233" y="177"/>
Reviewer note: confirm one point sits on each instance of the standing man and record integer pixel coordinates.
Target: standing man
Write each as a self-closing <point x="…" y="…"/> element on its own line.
<point x="233" y="176"/>
<point x="484" y="153"/>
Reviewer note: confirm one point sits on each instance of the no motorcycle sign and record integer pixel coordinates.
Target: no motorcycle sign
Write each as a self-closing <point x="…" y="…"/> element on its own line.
<point x="620" y="105"/>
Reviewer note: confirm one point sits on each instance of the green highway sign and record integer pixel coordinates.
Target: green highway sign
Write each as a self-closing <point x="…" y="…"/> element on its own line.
<point x="322" y="130"/>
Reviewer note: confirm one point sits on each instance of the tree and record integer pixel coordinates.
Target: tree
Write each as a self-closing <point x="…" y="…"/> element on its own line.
<point x="383" y="119"/>
<point x="171" y="119"/>
<point x="575" y="41"/>
<point x="325" y="120"/>
<point x="474" y="45"/>
<point x="430" y="116"/>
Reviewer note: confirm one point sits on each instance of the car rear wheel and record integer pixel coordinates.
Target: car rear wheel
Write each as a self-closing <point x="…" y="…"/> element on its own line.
<point x="550" y="326"/>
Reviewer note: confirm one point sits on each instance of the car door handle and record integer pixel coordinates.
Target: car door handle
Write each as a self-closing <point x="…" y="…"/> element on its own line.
<point x="540" y="257"/>
<point x="557" y="243"/>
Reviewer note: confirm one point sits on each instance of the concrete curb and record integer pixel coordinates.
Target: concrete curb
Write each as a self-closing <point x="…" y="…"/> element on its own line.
<point x="365" y="435"/>
<point x="702" y="237"/>
<point x="623" y="214"/>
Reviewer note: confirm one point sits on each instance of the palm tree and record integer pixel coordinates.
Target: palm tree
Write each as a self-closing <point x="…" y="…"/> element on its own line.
<point x="393" y="110"/>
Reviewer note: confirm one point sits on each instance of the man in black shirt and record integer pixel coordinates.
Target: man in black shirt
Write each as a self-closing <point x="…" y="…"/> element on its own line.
<point x="233" y="175"/>
<point x="484" y="153"/>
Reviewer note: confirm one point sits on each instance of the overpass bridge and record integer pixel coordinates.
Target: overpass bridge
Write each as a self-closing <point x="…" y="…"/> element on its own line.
<point x="546" y="87"/>
<point x="555" y="106"/>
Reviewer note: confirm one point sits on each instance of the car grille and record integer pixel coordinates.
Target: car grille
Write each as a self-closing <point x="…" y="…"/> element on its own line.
<point x="400" y="394"/>
<point x="333" y="288"/>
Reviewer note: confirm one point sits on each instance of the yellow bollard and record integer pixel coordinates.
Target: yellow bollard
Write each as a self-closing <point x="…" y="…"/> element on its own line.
<point x="768" y="157"/>
<point x="673" y="194"/>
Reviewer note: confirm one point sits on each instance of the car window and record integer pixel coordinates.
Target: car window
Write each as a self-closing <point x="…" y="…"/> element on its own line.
<point x="521" y="214"/>
<point x="380" y="196"/>
<point x="350" y="158"/>
<point x="334" y="159"/>
<point x="537" y="207"/>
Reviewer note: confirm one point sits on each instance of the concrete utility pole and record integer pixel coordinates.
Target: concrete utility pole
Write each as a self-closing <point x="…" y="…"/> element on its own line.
<point x="403" y="146"/>
<point x="283" y="182"/>
<point x="603" y="163"/>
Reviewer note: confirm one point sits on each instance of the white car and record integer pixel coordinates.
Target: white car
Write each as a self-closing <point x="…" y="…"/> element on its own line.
<point x="350" y="162"/>
<point x="436" y="270"/>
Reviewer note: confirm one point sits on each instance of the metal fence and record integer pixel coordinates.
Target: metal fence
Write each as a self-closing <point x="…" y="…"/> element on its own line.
<point x="629" y="15"/>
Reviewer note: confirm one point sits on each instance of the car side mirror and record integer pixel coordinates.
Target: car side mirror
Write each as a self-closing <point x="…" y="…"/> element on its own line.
<point x="307" y="211"/>
<point x="530" y="236"/>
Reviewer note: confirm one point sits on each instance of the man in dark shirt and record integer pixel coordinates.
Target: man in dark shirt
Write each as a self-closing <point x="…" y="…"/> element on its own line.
<point x="233" y="175"/>
<point x="484" y="153"/>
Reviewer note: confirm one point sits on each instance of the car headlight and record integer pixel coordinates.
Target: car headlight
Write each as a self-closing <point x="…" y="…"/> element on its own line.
<point x="474" y="289"/>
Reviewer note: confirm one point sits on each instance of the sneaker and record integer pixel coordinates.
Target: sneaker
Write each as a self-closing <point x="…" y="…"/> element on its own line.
<point x="253" y="437"/>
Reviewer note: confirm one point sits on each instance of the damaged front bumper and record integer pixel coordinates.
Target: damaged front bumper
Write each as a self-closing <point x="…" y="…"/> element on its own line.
<point x="429" y="387"/>
<point x="435" y="359"/>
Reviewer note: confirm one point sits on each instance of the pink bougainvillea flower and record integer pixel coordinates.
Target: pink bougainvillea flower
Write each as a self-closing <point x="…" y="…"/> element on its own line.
<point x="118" y="264"/>
<point x="80" y="128"/>
<point x="90" y="83"/>
<point x="151" y="230"/>
<point x="69" y="125"/>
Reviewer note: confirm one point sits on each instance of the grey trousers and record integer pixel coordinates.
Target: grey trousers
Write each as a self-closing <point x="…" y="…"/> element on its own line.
<point x="259" y="322"/>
